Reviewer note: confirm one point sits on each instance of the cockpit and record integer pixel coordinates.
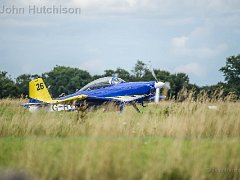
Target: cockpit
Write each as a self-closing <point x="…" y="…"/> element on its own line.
<point x="102" y="82"/>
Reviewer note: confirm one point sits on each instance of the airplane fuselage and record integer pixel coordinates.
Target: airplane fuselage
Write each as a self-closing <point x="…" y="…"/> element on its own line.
<point x="122" y="89"/>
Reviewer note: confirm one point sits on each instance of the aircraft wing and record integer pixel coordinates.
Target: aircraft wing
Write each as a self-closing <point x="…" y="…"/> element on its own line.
<point x="125" y="99"/>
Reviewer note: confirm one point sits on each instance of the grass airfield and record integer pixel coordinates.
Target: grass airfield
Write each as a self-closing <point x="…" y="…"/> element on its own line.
<point x="168" y="141"/>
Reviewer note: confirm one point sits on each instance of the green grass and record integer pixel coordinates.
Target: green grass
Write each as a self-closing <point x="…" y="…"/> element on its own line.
<point x="168" y="141"/>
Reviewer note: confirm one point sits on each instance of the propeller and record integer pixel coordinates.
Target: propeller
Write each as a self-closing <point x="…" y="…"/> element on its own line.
<point x="158" y="85"/>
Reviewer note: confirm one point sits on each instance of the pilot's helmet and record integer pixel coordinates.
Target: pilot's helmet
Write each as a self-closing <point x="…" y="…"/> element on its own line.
<point x="114" y="80"/>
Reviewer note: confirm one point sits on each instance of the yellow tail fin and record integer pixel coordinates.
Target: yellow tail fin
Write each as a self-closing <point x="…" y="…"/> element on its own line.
<point x="39" y="91"/>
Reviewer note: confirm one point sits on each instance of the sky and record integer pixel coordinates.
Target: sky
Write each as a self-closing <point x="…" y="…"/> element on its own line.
<point x="190" y="36"/>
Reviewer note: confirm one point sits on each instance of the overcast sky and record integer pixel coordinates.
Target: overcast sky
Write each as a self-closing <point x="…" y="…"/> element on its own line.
<point x="191" y="36"/>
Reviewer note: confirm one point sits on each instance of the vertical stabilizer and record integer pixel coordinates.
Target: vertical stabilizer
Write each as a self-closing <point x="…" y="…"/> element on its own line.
<point x="39" y="91"/>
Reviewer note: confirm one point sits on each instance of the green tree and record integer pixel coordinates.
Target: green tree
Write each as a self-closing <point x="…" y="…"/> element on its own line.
<point x="66" y="80"/>
<point x="94" y="77"/>
<point x="7" y="86"/>
<point x="231" y="73"/>
<point x="124" y="74"/>
<point x="231" y="70"/>
<point x="178" y="81"/>
<point x="139" y="70"/>
<point x="161" y="75"/>
<point x="108" y="72"/>
<point x="22" y="83"/>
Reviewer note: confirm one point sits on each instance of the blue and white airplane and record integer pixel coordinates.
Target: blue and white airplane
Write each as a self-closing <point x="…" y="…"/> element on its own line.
<point x="95" y="94"/>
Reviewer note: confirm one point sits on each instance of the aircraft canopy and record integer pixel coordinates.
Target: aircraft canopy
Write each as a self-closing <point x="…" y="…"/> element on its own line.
<point x="102" y="82"/>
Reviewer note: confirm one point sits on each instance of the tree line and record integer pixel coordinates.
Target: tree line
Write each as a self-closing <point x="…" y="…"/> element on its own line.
<point x="62" y="79"/>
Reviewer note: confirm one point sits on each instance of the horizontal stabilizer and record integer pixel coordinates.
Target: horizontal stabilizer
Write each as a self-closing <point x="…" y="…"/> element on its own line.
<point x="73" y="98"/>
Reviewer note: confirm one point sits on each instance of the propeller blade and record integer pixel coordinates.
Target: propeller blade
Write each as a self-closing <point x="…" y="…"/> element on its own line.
<point x="157" y="95"/>
<point x="152" y="71"/>
<point x="158" y="85"/>
<point x="154" y="75"/>
<point x="167" y="85"/>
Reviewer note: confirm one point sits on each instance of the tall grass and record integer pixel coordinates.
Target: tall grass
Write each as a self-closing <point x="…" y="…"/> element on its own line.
<point x="167" y="119"/>
<point x="169" y="140"/>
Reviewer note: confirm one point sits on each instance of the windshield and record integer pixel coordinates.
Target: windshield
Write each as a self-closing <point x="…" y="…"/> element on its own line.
<point x="102" y="82"/>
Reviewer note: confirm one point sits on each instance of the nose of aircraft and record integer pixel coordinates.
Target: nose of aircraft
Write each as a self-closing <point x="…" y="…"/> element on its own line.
<point x="159" y="84"/>
<point x="162" y="84"/>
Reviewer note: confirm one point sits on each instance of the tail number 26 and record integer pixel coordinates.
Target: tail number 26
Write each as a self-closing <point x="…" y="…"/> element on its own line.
<point x="40" y="86"/>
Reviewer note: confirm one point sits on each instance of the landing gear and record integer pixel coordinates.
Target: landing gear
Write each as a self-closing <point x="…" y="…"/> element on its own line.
<point x="143" y="105"/>
<point x="81" y="111"/>
<point x="135" y="107"/>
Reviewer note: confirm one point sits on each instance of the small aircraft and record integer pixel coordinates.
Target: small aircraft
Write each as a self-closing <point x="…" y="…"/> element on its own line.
<point x="95" y="94"/>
